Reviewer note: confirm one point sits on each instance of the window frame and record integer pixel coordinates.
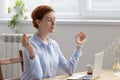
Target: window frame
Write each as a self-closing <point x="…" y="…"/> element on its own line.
<point x="88" y="13"/>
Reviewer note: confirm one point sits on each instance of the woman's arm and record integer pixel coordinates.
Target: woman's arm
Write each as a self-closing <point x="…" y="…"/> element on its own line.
<point x="32" y="63"/>
<point x="70" y="66"/>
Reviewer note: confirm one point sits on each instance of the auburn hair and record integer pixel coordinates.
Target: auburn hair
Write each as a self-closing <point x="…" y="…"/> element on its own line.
<point x="39" y="12"/>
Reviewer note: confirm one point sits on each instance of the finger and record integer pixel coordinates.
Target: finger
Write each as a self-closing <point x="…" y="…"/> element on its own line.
<point x="81" y="36"/>
<point x="25" y="40"/>
<point x="85" y="37"/>
<point x="77" y="37"/>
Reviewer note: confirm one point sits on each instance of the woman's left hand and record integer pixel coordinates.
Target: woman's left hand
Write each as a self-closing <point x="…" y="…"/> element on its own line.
<point x="80" y="38"/>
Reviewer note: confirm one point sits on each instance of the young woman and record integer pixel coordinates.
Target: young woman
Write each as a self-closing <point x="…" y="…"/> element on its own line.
<point x="42" y="55"/>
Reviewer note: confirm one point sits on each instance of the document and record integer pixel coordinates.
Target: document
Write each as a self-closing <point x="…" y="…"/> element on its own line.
<point x="75" y="77"/>
<point x="117" y="73"/>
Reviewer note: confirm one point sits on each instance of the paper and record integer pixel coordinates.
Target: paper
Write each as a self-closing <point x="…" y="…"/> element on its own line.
<point x="117" y="73"/>
<point x="75" y="76"/>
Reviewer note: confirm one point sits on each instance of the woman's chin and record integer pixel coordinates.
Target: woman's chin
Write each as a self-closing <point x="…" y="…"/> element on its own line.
<point x="52" y="31"/>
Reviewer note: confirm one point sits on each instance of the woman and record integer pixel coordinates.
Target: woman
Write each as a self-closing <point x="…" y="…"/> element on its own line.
<point x="42" y="55"/>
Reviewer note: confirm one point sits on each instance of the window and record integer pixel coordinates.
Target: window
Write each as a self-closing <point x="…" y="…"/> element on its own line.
<point x="2" y="8"/>
<point x="104" y="4"/>
<point x="100" y="9"/>
<point x="71" y="9"/>
<point x="65" y="9"/>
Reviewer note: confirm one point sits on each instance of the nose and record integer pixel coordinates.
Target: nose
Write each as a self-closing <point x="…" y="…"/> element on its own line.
<point x="53" y="22"/>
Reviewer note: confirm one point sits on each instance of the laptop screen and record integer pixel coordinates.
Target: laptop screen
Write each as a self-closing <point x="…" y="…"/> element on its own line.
<point x="97" y="67"/>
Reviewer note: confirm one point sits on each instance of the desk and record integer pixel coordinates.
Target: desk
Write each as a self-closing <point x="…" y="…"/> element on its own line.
<point x="105" y="75"/>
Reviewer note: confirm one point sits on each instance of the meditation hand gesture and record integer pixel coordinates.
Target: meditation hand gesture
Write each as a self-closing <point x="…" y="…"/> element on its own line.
<point x="28" y="46"/>
<point x="80" y="38"/>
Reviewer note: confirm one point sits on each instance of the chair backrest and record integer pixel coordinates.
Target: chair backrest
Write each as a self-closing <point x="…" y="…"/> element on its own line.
<point x="13" y="60"/>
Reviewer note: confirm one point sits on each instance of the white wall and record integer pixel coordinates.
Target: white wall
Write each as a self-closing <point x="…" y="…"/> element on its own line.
<point x="98" y="38"/>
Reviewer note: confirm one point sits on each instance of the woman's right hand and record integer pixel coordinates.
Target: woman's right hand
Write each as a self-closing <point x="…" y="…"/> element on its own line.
<point x="28" y="45"/>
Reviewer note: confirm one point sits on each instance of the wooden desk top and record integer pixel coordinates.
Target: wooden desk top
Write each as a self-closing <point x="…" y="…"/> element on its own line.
<point x="105" y="75"/>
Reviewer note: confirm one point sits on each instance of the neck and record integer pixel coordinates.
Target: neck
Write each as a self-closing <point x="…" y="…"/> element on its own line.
<point x="44" y="37"/>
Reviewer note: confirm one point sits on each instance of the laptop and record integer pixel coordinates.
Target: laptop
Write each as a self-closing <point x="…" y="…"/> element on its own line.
<point x="97" y="68"/>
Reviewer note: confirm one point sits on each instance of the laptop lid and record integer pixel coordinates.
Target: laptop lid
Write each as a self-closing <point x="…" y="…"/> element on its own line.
<point x="97" y="67"/>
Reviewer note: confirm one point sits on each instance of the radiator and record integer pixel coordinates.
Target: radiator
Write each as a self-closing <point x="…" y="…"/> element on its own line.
<point x="9" y="47"/>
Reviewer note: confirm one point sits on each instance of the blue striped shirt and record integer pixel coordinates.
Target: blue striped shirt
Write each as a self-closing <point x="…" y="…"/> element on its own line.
<point x="48" y="57"/>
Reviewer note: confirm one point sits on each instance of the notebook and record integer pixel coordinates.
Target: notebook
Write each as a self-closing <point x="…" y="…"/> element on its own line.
<point x="97" y="68"/>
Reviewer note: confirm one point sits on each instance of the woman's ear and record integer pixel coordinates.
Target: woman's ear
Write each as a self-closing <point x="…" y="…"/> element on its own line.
<point x="37" y="21"/>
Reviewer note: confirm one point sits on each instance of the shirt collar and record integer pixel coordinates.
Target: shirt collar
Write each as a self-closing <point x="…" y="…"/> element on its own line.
<point x="40" y="42"/>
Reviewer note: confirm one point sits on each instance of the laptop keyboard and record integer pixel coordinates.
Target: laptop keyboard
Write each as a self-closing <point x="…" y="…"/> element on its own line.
<point x="87" y="77"/>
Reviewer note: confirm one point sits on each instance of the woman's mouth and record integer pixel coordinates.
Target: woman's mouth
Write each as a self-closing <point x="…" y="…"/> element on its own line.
<point x="52" y="27"/>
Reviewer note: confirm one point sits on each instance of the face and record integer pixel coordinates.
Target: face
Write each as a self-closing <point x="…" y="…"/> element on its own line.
<point x="47" y="24"/>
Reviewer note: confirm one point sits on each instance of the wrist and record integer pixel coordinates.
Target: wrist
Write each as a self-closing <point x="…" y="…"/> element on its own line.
<point x="32" y="55"/>
<point x="79" y="45"/>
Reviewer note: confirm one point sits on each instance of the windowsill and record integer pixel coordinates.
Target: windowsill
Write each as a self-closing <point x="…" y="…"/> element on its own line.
<point x="65" y="21"/>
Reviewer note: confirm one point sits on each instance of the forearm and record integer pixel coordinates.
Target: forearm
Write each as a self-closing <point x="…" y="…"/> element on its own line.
<point x="35" y="67"/>
<point x="70" y="66"/>
<point x="32" y="65"/>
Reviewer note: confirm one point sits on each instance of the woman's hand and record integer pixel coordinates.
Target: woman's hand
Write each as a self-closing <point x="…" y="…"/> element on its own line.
<point x="80" y="38"/>
<point x="27" y="45"/>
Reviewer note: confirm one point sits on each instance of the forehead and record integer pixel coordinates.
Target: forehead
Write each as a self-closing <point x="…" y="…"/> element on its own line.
<point x="50" y="15"/>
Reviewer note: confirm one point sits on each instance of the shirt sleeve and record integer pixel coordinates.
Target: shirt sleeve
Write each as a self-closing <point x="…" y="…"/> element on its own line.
<point x="34" y="65"/>
<point x="70" y="65"/>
